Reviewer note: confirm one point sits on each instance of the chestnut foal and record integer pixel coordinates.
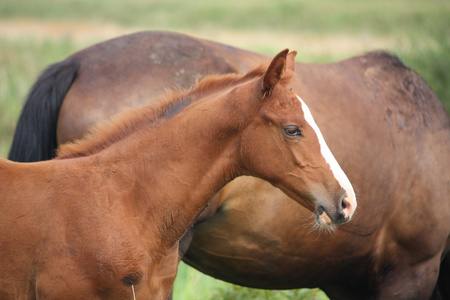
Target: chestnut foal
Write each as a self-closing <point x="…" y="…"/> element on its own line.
<point x="104" y="220"/>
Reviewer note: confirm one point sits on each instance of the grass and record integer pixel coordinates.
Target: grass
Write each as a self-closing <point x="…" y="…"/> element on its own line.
<point x="432" y="62"/>
<point x="34" y="34"/>
<point x="21" y="61"/>
<point x="382" y="16"/>
<point x="190" y="284"/>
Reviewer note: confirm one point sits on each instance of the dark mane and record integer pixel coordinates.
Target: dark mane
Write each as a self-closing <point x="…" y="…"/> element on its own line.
<point x="107" y="133"/>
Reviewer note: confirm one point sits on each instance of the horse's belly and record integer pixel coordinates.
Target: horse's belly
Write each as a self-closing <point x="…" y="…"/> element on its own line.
<point x="261" y="238"/>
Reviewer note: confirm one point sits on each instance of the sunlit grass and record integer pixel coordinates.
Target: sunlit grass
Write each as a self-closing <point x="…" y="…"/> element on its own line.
<point x="381" y="17"/>
<point x="192" y="285"/>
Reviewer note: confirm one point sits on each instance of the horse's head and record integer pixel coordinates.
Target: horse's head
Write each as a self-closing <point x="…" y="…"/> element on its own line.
<point x="284" y="145"/>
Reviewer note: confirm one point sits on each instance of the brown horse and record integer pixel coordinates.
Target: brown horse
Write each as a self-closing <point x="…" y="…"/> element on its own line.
<point x="104" y="220"/>
<point x="388" y="130"/>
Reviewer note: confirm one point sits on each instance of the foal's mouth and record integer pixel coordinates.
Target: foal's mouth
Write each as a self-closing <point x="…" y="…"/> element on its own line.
<point x="322" y="216"/>
<point x="324" y="219"/>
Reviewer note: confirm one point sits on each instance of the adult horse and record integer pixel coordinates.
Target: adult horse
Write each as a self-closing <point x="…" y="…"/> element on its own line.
<point x="386" y="127"/>
<point x="103" y="220"/>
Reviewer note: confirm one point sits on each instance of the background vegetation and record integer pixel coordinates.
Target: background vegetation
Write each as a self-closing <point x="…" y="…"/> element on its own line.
<point x="36" y="33"/>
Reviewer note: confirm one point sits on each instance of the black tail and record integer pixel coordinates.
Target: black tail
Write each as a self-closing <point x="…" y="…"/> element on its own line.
<point x="35" y="136"/>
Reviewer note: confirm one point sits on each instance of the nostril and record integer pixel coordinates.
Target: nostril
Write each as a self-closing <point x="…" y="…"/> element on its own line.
<point x="347" y="207"/>
<point x="344" y="204"/>
<point x="320" y="210"/>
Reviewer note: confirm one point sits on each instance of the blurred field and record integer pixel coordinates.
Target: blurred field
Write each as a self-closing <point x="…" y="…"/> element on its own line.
<point x="34" y="34"/>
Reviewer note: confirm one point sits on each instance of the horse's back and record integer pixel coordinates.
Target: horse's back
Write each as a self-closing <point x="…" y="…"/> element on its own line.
<point x="133" y="70"/>
<point x="418" y="124"/>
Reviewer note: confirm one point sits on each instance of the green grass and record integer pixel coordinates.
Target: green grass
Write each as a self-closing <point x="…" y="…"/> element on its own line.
<point x="418" y="31"/>
<point x="381" y="16"/>
<point x="433" y="61"/>
<point x="190" y="284"/>
<point x="20" y="64"/>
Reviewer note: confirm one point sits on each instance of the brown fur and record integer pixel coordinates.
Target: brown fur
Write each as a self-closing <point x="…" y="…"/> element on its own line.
<point x="386" y="127"/>
<point x="106" y="133"/>
<point x="99" y="225"/>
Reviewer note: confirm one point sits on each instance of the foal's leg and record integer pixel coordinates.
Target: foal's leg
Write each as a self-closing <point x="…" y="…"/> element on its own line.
<point x="183" y="247"/>
<point x="186" y="240"/>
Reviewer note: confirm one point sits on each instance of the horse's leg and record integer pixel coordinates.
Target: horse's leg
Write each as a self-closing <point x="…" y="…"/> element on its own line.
<point x="415" y="281"/>
<point x="185" y="242"/>
<point x="442" y="290"/>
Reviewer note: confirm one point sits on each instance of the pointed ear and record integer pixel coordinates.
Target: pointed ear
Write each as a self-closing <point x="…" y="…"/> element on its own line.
<point x="290" y="60"/>
<point x="275" y="72"/>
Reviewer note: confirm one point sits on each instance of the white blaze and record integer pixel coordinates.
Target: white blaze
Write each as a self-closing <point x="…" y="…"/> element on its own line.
<point x="329" y="158"/>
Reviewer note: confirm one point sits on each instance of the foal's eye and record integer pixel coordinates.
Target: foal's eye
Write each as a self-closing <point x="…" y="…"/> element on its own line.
<point x="292" y="130"/>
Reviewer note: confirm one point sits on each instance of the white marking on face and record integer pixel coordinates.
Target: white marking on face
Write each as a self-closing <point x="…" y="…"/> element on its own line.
<point x="329" y="158"/>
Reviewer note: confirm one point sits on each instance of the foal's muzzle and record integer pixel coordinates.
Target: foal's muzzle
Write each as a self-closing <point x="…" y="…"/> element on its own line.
<point x="342" y="214"/>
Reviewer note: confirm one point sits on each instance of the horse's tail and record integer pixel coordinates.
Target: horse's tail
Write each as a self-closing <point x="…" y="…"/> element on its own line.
<point x="35" y="136"/>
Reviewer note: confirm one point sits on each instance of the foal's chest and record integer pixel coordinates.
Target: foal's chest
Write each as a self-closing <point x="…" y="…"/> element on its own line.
<point x="124" y="275"/>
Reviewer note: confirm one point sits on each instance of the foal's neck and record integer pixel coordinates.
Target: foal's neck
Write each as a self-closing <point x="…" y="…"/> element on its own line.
<point x="178" y="166"/>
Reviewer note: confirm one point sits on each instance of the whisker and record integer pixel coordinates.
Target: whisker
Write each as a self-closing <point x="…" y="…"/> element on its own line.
<point x="314" y="226"/>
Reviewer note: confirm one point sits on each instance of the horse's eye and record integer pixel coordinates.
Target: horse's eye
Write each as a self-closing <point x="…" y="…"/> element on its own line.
<point x="292" y="130"/>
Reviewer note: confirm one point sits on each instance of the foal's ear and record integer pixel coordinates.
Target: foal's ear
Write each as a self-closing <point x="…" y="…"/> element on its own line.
<point x="290" y="60"/>
<point x="275" y="72"/>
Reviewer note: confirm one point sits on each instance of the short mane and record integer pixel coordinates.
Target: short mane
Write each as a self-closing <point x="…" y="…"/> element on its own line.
<point x="125" y="123"/>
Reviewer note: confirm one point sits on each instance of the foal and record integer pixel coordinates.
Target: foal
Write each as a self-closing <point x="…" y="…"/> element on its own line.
<point x="105" y="221"/>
